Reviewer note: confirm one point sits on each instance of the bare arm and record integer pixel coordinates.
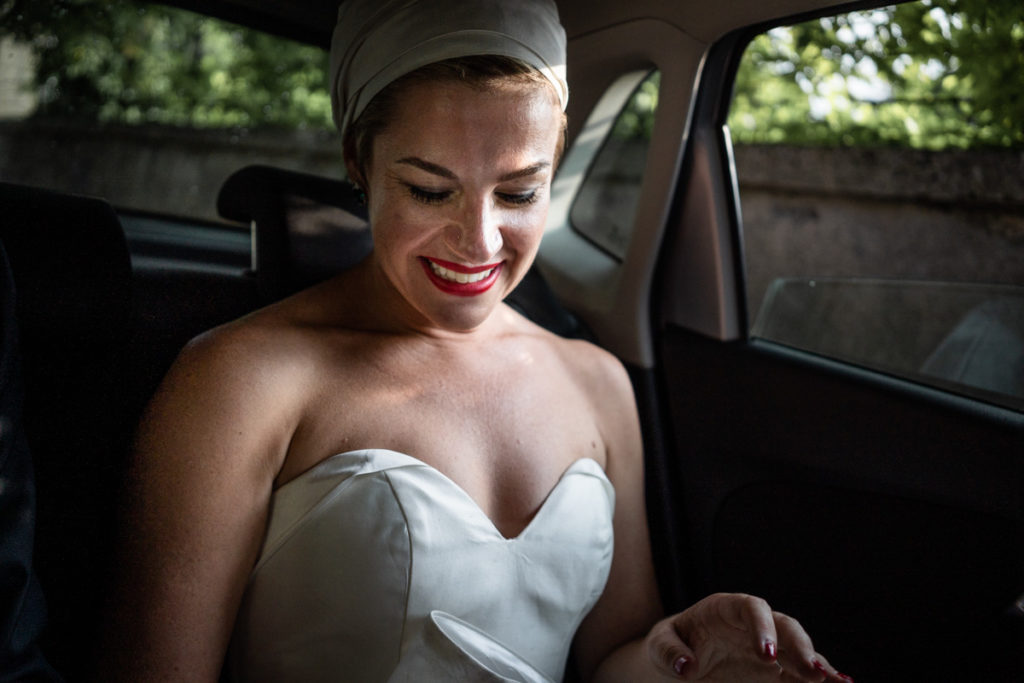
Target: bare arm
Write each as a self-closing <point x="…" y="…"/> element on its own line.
<point x="724" y="637"/>
<point x="630" y="603"/>
<point x="208" y="449"/>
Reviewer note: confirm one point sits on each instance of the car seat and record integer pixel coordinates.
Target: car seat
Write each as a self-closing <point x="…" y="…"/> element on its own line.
<point x="72" y="274"/>
<point x="22" y="607"/>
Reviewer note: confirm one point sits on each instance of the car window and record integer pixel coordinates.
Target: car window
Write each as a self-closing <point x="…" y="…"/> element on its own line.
<point x="878" y="155"/>
<point x="604" y="208"/>
<point x="152" y="107"/>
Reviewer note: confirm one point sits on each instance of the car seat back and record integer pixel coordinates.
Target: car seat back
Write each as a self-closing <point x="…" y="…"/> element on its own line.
<point x="72" y="274"/>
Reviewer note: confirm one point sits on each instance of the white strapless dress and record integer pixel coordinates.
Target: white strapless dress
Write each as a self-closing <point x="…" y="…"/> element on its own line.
<point x="377" y="567"/>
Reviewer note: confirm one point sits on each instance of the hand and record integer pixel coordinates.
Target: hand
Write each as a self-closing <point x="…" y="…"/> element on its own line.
<point x="735" y="637"/>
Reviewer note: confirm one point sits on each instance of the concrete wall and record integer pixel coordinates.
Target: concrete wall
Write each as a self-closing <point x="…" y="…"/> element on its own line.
<point x="161" y="169"/>
<point x="953" y="216"/>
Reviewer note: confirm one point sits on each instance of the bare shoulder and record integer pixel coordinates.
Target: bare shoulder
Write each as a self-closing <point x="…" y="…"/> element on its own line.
<point x="602" y="376"/>
<point x="603" y="380"/>
<point x="240" y="356"/>
<point x="240" y="380"/>
<point x="594" y="366"/>
<point x="244" y="350"/>
<point x="587" y="362"/>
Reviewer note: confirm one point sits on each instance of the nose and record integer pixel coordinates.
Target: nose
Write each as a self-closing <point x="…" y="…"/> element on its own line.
<point x="476" y="233"/>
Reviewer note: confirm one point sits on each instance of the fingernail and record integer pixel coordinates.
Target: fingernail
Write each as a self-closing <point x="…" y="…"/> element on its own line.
<point x="845" y="677"/>
<point x="770" y="650"/>
<point x="819" y="666"/>
<point x="680" y="665"/>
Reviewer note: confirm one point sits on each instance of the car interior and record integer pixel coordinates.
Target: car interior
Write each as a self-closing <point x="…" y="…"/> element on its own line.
<point x="885" y="513"/>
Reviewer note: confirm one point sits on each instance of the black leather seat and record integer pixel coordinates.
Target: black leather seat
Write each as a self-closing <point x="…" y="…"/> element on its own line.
<point x="22" y="607"/>
<point x="72" y="272"/>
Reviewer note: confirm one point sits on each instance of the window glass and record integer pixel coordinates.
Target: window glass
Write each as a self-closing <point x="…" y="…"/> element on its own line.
<point x="606" y="203"/>
<point x="878" y="155"/>
<point x="152" y="107"/>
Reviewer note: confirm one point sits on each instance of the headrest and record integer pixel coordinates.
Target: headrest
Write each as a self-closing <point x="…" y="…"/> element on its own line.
<point x="307" y="227"/>
<point x="70" y="262"/>
<point x="250" y="190"/>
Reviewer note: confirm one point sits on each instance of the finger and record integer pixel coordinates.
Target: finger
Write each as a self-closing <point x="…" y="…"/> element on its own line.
<point x="757" y="617"/>
<point x="790" y="677"/>
<point x="796" y="651"/>
<point x="823" y="672"/>
<point x="817" y="676"/>
<point x="830" y="673"/>
<point x="667" y="651"/>
<point x="797" y="655"/>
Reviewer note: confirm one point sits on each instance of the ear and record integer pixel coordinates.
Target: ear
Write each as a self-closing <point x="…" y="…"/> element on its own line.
<point x="355" y="174"/>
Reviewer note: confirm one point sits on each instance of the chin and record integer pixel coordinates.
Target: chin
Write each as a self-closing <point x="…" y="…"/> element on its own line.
<point x="468" y="319"/>
<point x="457" y="313"/>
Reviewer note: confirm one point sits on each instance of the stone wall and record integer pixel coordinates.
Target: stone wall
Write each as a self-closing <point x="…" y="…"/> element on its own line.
<point x="952" y="216"/>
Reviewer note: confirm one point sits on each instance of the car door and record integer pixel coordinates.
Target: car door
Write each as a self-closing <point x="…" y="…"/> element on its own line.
<point x="873" y="499"/>
<point x="818" y="432"/>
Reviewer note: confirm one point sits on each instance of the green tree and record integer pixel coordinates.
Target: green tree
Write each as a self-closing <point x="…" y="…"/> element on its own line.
<point x="123" y="61"/>
<point x="929" y="74"/>
<point x="637" y="118"/>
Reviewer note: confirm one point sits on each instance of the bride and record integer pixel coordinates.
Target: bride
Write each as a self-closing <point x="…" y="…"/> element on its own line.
<point x="393" y="475"/>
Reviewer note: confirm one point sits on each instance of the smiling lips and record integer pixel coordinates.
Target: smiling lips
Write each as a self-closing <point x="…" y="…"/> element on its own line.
<point x="459" y="280"/>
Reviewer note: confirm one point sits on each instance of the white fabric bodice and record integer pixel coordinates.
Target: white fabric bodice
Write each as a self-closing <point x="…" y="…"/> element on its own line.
<point x="378" y="567"/>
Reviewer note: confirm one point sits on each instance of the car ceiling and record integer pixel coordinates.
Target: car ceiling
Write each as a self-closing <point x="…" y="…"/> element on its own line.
<point x="312" y="21"/>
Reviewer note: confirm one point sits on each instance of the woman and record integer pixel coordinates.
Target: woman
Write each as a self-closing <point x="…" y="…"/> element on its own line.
<point x="394" y="476"/>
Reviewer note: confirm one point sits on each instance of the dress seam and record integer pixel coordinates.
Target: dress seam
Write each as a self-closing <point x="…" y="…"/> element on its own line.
<point x="412" y="560"/>
<point x="584" y="610"/>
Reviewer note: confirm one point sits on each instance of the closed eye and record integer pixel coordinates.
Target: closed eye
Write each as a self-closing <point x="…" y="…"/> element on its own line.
<point x="428" y="196"/>
<point x="518" y="198"/>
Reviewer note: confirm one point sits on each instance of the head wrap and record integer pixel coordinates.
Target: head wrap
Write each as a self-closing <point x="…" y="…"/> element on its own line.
<point x="376" y="42"/>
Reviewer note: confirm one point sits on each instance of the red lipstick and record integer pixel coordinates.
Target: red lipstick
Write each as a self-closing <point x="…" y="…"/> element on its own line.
<point x="442" y="273"/>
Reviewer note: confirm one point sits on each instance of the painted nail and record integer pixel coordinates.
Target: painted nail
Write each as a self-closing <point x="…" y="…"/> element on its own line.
<point x="819" y="666"/>
<point x="769" y="650"/>
<point x="845" y="678"/>
<point x="680" y="665"/>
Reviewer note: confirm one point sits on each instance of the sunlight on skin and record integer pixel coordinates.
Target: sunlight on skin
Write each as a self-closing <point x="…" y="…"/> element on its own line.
<point x="459" y="187"/>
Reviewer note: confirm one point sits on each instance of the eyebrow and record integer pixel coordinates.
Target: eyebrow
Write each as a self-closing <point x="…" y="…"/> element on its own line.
<point x="443" y="172"/>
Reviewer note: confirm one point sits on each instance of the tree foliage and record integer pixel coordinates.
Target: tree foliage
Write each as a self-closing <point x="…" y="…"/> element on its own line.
<point x="931" y="74"/>
<point x="637" y="118"/>
<point x="927" y="74"/>
<point x="133" y="63"/>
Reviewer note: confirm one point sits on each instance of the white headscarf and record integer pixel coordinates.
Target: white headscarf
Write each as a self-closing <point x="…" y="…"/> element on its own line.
<point x="378" y="41"/>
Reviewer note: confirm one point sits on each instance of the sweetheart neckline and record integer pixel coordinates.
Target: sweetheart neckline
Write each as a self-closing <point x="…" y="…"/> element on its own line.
<point x="412" y="461"/>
